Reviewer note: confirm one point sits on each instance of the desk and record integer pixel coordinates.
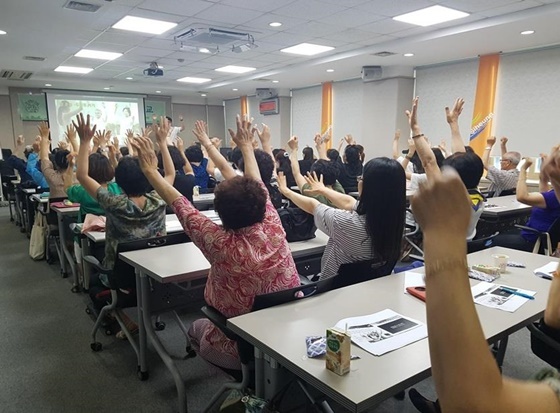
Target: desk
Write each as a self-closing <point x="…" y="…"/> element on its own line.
<point x="503" y="206"/>
<point x="279" y="332"/>
<point x="66" y="255"/>
<point x="203" y="200"/>
<point x="162" y="265"/>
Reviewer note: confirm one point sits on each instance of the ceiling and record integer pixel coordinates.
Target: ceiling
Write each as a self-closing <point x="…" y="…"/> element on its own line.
<point x="355" y="28"/>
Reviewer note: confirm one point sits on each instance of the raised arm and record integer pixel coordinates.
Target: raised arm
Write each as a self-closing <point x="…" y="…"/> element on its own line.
<point x="45" y="141"/>
<point x="86" y="133"/>
<point x="340" y="200"/>
<point x="243" y="138"/>
<point x="486" y="154"/>
<point x="293" y="146"/>
<point x="161" y="131"/>
<point x="304" y="202"/>
<point x="396" y="153"/>
<point x="535" y="199"/>
<point x="503" y="145"/>
<point x="210" y="167"/>
<point x="20" y="147"/>
<point x="265" y="137"/>
<point x="187" y="167"/>
<point x="213" y="153"/>
<point x="68" y="175"/>
<point x="422" y="147"/>
<point x="408" y="157"/>
<point x="70" y="134"/>
<point x="321" y="147"/>
<point x="182" y="121"/>
<point x="465" y="373"/>
<point x="452" y="116"/>
<point x="129" y="137"/>
<point x="148" y="163"/>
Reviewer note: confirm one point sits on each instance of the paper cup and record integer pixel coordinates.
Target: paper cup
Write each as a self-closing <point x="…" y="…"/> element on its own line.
<point x="500" y="261"/>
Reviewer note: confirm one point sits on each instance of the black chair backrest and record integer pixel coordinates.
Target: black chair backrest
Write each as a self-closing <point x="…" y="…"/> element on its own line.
<point x="554" y="232"/>
<point x="507" y="192"/>
<point x="360" y="271"/>
<point x="481" y="243"/>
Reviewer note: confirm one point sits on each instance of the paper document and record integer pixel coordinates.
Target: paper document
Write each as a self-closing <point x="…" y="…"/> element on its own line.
<point x="491" y="295"/>
<point x="546" y="270"/>
<point x="383" y="332"/>
<point x="413" y="279"/>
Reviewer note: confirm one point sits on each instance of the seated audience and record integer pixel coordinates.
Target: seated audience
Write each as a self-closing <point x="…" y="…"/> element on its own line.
<point x="184" y="175"/>
<point x="418" y="178"/>
<point x="284" y="165"/>
<point x="505" y="178"/>
<point x="54" y="174"/>
<point x="307" y="161"/>
<point x="360" y="230"/>
<point x="198" y="163"/>
<point x="18" y="159"/>
<point x="249" y="249"/>
<point x="34" y="167"/>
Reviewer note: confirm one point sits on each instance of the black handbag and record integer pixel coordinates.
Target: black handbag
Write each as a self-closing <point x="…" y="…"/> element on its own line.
<point x="298" y="224"/>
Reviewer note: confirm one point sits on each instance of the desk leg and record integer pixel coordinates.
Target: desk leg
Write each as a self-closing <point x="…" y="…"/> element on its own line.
<point x="19" y="209"/>
<point x="65" y="255"/>
<point x="86" y="268"/>
<point x="142" y="344"/>
<point x="146" y="313"/>
<point x="29" y="209"/>
<point x="259" y="373"/>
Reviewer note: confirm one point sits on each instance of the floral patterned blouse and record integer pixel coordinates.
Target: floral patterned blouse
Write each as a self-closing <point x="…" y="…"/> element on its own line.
<point x="244" y="263"/>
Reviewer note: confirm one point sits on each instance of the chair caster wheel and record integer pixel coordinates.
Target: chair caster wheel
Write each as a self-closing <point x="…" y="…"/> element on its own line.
<point x="108" y="332"/>
<point x="159" y="325"/>
<point x="76" y="289"/>
<point x="190" y="352"/>
<point x="143" y="375"/>
<point x="97" y="346"/>
<point x="88" y="310"/>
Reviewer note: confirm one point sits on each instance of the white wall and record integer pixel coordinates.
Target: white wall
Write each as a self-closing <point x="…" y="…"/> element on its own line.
<point x="306" y="114"/>
<point x="6" y="126"/>
<point x="437" y="88"/>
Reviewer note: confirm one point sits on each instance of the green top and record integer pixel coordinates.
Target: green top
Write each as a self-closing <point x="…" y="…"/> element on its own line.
<point x="89" y="205"/>
<point x="322" y="198"/>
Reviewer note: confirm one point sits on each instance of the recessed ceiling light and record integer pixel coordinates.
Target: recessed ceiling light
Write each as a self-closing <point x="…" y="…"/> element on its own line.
<point x="48" y="85"/>
<point x="129" y="78"/>
<point x="142" y="25"/>
<point x="158" y="91"/>
<point x="430" y="16"/>
<point x="204" y="50"/>
<point x="275" y="24"/>
<point x="73" y="69"/>
<point x="275" y="81"/>
<point x="330" y="70"/>
<point x="235" y="90"/>
<point x="106" y="88"/>
<point x="408" y="54"/>
<point x="528" y="32"/>
<point x="194" y="79"/>
<point x="3" y="32"/>
<point x="203" y="95"/>
<point x="235" y="69"/>
<point x="307" y="49"/>
<point x="98" y="54"/>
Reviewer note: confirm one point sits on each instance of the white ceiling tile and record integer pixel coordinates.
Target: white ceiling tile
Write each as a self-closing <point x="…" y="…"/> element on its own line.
<point x="147" y="51"/>
<point x="315" y="29"/>
<point x="285" y="39"/>
<point x="350" y="18"/>
<point x="510" y="8"/>
<point x="261" y="23"/>
<point x="392" y="8"/>
<point x="375" y="40"/>
<point x="118" y="37"/>
<point x="311" y="9"/>
<point x="351" y="35"/>
<point x="228" y="15"/>
<point x="386" y="26"/>
<point x="182" y="8"/>
<point x="473" y="6"/>
<point x="260" y="5"/>
<point x="347" y="3"/>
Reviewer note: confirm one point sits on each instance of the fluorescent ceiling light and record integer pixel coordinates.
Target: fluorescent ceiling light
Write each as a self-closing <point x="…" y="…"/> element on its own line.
<point x="275" y="24"/>
<point x="235" y="69"/>
<point x="204" y="50"/>
<point x="48" y="85"/>
<point x="408" y="54"/>
<point x="106" y="88"/>
<point x="129" y="78"/>
<point x="97" y="54"/>
<point x="158" y="91"/>
<point x="330" y="70"/>
<point x="203" y="95"/>
<point x="194" y="80"/>
<point x="307" y="49"/>
<point x="235" y="90"/>
<point x="72" y="69"/>
<point x="527" y="32"/>
<point x="3" y="32"/>
<point x="430" y="16"/>
<point x="142" y="25"/>
<point x="275" y="81"/>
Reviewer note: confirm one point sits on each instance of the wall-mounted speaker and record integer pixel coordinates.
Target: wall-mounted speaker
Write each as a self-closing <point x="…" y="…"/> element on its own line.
<point x="266" y="93"/>
<point x="371" y="73"/>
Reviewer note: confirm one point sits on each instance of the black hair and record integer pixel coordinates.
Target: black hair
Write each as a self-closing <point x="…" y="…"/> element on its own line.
<point x="468" y="165"/>
<point x="176" y="158"/>
<point x="328" y="169"/>
<point x="235" y="156"/>
<point x="333" y="154"/>
<point x="6" y="153"/>
<point x="124" y="151"/>
<point x="469" y="149"/>
<point x="266" y="168"/>
<point x="439" y="156"/>
<point x="194" y="153"/>
<point x="307" y="153"/>
<point x="130" y="178"/>
<point x="169" y="119"/>
<point x="100" y="168"/>
<point x="353" y="160"/>
<point x="417" y="166"/>
<point x="383" y="201"/>
<point x="61" y="160"/>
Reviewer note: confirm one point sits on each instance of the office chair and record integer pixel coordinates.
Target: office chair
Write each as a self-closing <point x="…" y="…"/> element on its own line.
<point x="122" y="291"/>
<point x="245" y="349"/>
<point x="357" y="272"/>
<point x="543" y="345"/>
<point x="479" y="244"/>
<point x="546" y="240"/>
<point x="9" y="193"/>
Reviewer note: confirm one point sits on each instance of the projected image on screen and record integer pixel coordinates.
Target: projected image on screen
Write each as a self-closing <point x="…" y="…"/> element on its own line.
<point x="117" y="114"/>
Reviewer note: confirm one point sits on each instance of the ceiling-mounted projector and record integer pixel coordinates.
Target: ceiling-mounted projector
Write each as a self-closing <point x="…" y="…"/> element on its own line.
<point x="153" y="70"/>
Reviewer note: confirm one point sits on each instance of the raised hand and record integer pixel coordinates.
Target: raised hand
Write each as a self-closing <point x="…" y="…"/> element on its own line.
<point x="44" y="130"/>
<point x="264" y="134"/>
<point x="527" y="164"/>
<point x="20" y="141"/>
<point x="179" y="144"/>
<point x="349" y="139"/>
<point x="281" y="180"/>
<point x="317" y="139"/>
<point x="63" y="145"/>
<point x="217" y="142"/>
<point x="316" y="184"/>
<point x="129" y="134"/>
<point x="243" y="136"/>
<point x="443" y="145"/>
<point x="491" y="141"/>
<point x="397" y="135"/>
<point x="71" y="157"/>
<point x="411" y="146"/>
<point x="85" y="131"/>
<point x="293" y="143"/>
<point x="200" y="132"/>
<point x="412" y="116"/>
<point x="161" y="131"/>
<point x="327" y="136"/>
<point x="503" y="141"/>
<point x="146" y="155"/>
<point x="452" y="115"/>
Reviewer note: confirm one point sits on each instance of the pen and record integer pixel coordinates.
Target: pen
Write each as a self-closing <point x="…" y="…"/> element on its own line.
<point x="510" y="291"/>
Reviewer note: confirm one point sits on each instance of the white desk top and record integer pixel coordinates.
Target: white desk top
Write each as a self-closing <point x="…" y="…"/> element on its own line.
<point x="38" y="198"/>
<point x="67" y="210"/>
<point x="29" y="190"/>
<point x="280" y="331"/>
<point x="203" y="199"/>
<point x="505" y="205"/>
<point x="165" y="265"/>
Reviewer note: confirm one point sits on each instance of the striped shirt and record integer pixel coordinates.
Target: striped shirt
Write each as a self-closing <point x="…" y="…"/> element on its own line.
<point x="348" y="238"/>
<point x="502" y="180"/>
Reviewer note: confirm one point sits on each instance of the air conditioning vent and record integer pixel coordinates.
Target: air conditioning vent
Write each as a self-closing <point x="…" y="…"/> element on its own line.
<point x="34" y="58"/>
<point x="79" y="6"/>
<point x="15" y="74"/>
<point x="384" y="54"/>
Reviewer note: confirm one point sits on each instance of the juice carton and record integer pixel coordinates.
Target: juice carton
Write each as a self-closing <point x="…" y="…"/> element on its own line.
<point x="338" y="351"/>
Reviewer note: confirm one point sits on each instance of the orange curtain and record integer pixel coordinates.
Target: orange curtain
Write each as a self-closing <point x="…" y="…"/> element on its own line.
<point x="481" y="126"/>
<point x="327" y="109"/>
<point x="244" y="106"/>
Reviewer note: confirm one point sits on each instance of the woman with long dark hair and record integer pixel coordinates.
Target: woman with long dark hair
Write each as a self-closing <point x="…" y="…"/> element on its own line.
<point x="371" y="228"/>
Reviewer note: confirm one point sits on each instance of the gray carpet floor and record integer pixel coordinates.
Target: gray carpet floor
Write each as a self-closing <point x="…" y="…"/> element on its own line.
<point x="46" y="364"/>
